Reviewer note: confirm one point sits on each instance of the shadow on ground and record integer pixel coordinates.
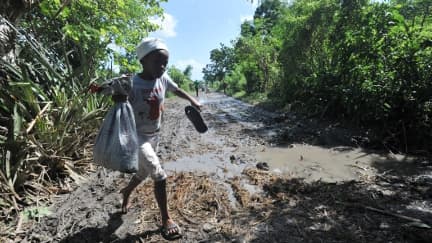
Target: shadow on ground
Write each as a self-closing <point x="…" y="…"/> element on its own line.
<point x="107" y="233"/>
<point x="339" y="212"/>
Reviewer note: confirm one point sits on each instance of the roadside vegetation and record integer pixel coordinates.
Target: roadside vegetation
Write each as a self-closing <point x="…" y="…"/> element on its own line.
<point x="365" y="62"/>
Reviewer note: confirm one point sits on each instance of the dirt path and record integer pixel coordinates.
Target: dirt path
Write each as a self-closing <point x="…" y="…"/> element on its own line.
<point x="320" y="187"/>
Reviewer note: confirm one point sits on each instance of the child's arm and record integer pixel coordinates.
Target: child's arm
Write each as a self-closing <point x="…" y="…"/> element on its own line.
<point x="182" y="94"/>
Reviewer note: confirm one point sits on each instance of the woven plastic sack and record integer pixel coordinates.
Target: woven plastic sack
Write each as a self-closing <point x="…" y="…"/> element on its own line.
<point x="116" y="145"/>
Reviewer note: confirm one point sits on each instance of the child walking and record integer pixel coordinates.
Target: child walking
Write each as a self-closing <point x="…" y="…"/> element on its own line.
<point x="147" y="99"/>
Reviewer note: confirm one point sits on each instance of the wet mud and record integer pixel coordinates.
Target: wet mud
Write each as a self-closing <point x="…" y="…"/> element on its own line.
<point x="320" y="185"/>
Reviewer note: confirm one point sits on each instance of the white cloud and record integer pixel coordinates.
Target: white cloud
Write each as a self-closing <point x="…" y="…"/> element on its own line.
<point x="255" y="3"/>
<point x="196" y="67"/>
<point x="167" y="24"/>
<point x="246" y="18"/>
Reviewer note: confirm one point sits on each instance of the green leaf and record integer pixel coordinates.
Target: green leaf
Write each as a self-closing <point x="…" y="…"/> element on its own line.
<point x="17" y="122"/>
<point x="387" y="106"/>
<point x="35" y="212"/>
<point x="397" y="16"/>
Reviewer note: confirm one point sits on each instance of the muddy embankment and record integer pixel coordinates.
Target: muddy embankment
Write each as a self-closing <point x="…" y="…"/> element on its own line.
<point x="320" y="186"/>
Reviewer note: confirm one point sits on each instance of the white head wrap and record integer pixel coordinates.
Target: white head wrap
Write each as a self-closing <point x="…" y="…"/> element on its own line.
<point x="148" y="45"/>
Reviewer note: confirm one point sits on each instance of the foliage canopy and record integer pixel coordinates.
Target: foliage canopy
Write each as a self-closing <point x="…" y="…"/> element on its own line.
<point x="367" y="62"/>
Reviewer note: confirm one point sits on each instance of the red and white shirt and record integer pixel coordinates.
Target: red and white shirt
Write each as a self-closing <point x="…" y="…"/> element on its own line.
<point x="147" y="99"/>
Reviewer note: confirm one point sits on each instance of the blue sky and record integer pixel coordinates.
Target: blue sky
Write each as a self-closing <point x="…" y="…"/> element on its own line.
<point x="192" y="28"/>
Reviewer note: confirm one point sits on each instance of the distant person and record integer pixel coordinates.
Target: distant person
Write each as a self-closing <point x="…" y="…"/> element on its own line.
<point x="196" y="86"/>
<point x="147" y="99"/>
<point x="224" y="86"/>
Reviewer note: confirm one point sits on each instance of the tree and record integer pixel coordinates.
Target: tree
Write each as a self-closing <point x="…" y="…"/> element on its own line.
<point x="80" y="31"/>
<point x="188" y="71"/>
<point x="270" y="12"/>
<point x="182" y="78"/>
<point x="12" y="11"/>
<point x="222" y="63"/>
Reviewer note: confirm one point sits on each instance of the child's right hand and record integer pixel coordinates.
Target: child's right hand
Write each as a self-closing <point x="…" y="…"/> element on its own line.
<point x="94" y="88"/>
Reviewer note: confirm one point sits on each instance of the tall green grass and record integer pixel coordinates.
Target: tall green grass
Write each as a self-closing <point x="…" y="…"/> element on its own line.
<point x="47" y="123"/>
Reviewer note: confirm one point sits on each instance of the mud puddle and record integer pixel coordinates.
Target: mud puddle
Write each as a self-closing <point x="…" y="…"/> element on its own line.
<point x="316" y="163"/>
<point x="311" y="162"/>
<point x="212" y="164"/>
<point x="328" y="164"/>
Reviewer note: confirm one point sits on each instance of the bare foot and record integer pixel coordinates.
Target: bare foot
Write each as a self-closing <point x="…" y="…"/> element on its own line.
<point x="170" y="230"/>
<point x="125" y="204"/>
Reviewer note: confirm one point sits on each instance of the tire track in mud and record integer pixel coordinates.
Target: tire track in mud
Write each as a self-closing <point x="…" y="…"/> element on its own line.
<point x="227" y="110"/>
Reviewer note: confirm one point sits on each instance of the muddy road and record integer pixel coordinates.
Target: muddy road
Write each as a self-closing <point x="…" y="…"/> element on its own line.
<point x="255" y="176"/>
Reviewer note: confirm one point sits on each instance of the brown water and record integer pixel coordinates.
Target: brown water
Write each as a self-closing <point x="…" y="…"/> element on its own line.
<point x="318" y="163"/>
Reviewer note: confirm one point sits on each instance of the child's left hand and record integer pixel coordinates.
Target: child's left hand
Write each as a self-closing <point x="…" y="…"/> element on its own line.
<point x="197" y="105"/>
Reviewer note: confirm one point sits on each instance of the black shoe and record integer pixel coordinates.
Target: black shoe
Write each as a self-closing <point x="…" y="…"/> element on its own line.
<point x="195" y="117"/>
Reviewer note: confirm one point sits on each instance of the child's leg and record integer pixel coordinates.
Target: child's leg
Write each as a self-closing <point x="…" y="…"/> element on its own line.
<point x="170" y="228"/>
<point x="133" y="183"/>
<point x="150" y="165"/>
<point x="161" y="198"/>
<point x="143" y="172"/>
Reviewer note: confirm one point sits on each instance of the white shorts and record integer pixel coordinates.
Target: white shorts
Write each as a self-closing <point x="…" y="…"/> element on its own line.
<point x="148" y="160"/>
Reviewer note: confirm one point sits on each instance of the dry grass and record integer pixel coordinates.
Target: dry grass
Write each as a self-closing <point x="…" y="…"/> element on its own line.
<point x="190" y="197"/>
